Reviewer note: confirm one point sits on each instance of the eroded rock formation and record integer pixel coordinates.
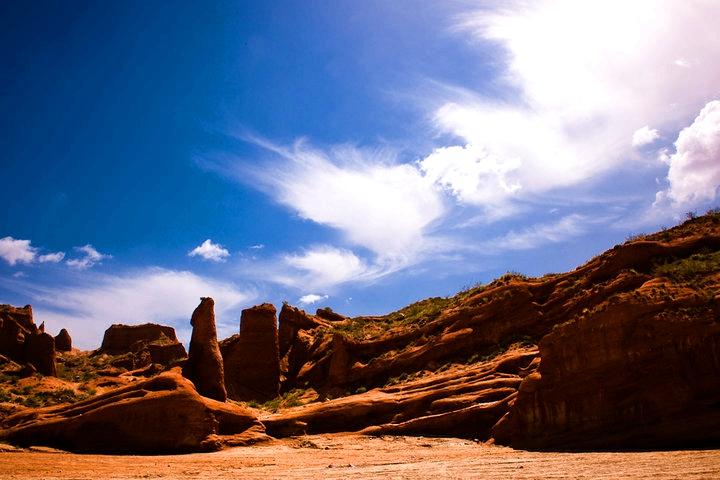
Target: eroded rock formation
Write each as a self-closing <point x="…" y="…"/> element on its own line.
<point x="137" y="346"/>
<point x="63" y="341"/>
<point x="24" y="342"/>
<point x="204" y="366"/>
<point x="251" y="359"/>
<point x="465" y="401"/>
<point x="160" y="415"/>
<point x="628" y="350"/>
<point x="120" y="339"/>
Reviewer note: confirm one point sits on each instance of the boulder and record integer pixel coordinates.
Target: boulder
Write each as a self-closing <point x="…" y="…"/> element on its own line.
<point x="204" y="366"/>
<point x="163" y="414"/>
<point x="63" y="342"/>
<point x="252" y="360"/>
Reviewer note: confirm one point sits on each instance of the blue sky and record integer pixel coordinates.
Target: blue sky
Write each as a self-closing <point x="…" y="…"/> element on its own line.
<point x="361" y="155"/>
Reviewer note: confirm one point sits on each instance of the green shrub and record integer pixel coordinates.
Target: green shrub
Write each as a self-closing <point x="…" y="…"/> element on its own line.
<point x="686" y="268"/>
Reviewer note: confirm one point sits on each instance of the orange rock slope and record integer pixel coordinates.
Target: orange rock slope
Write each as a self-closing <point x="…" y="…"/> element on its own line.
<point x="162" y="414"/>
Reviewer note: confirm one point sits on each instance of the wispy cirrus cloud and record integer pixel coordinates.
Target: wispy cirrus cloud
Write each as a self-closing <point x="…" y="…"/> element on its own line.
<point x="537" y="235"/>
<point x="324" y="267"/>
<point x="90" y="257"/>
<point x="374" y="201"/>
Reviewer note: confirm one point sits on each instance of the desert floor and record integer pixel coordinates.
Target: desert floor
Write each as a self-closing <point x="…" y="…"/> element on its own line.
<point x="351" y="456"/>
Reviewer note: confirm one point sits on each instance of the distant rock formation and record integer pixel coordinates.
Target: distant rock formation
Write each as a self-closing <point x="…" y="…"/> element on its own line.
<point x="204" y="366"/>
<point x="140" y="345"/>
<point x="63" y="342"/>
<point x="252" y="360"/>
<point x="24" y="342"/>
<point x="161" y="415"/>
<point x="120" y="339"/>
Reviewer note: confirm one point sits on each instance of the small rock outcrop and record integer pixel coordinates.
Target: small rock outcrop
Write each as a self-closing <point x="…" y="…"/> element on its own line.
<point x="163" y="414"/>
<point x="204" y="366"/>
<point x="24" y="342"/>
<point x="63" y="341"/>
<point x="328" y="314"/>
<point x="252" y="360"/>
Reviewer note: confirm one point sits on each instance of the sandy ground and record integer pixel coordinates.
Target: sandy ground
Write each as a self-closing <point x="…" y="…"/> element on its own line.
<point x="350" y="456"/>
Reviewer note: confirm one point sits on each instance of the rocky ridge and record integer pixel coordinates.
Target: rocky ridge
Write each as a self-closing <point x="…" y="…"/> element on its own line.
<point x="622" y="352"/>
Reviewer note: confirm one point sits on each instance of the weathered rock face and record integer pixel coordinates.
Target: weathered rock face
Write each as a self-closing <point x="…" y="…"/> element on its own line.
<point x="252" y="360"/>
<point x="16" y="324"/>
<point x="295" y="342"/>
<point x="204" y="366"/>
<point x="166" y="353"/>
<point x="160" y="415"/>
<point x="640" y="372"/>
<point x="63" y="342"/>
<point x="23" y="342"/>
<point x="464" y="401"/>
<point x="120" y="339"/>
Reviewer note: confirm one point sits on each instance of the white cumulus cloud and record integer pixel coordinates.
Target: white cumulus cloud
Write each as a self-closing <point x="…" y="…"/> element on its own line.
<point x="644" y="136"/>
<point x="210" y="251"/>
<point x="694" y="174"/>
<point x="15" y="251"/>
<point x="311" y="298"/>
<point x="579" y="92"/>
